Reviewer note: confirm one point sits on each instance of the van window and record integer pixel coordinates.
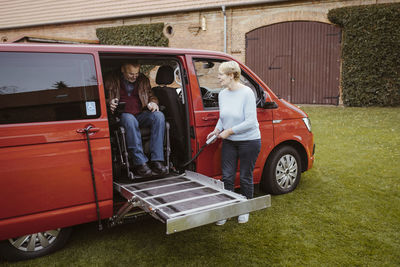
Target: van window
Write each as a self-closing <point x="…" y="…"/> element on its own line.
<point x="207" y="76"/>
<point x="39" y="87"/>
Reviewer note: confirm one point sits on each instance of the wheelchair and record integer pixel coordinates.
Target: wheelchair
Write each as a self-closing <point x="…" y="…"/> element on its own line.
<point x="121" y="160"/>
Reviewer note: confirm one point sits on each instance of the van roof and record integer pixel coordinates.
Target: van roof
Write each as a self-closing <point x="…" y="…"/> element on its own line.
<point x="105" y="49"/>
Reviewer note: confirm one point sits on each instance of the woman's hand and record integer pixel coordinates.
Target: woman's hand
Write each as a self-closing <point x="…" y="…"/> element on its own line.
<point x="225" y="134"/>
<point x="215" y="132"/>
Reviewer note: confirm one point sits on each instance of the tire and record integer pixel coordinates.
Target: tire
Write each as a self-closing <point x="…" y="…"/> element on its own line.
<point x="282" y="172"/>
<point x="34" y="245"/>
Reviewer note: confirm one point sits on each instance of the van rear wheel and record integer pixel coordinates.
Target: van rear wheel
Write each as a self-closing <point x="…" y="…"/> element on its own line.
<point x="282" y="172"/>
<point x="34" y="245"/>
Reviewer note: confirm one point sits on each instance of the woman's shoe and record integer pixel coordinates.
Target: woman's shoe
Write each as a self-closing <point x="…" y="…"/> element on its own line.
<point x="220" y="222"/>
<point x="244" y="218"/>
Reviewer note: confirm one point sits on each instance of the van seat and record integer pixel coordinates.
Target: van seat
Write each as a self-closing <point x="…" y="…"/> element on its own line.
<point x="168" y="97"/>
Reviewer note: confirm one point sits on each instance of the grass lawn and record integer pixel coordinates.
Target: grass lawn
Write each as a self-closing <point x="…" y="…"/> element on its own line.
<point x="345" y="211"/>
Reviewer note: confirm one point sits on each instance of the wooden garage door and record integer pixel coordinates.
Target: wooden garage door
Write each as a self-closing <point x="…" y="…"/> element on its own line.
<point x="299" y="61"/>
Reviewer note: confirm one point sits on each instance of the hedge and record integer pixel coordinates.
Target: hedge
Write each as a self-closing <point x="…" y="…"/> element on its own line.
<point x="135" y="35"/>
<point x="370" y="54"/>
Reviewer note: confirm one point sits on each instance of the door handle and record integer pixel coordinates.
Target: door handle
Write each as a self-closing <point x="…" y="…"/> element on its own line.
<point x="88" y="129"/>
<point x="209" y="117"/>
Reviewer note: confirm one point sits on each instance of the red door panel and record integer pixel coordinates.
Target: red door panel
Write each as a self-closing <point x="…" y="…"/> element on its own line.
<point x="44" y="163"/>
<point x="51" y="176"/>
<point x="209" y="161"/>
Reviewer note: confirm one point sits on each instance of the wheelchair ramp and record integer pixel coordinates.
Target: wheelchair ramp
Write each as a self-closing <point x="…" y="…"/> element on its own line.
<point x="188" y="200"/>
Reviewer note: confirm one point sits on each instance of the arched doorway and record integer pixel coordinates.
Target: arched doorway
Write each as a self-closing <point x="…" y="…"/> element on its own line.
<point x="299" y="60"/>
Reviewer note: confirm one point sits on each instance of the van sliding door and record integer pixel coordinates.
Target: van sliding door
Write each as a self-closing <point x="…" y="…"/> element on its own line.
<point x="45" y="99"/>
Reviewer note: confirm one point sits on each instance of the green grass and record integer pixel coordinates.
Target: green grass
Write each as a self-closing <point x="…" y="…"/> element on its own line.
<point x="345" y="211"/>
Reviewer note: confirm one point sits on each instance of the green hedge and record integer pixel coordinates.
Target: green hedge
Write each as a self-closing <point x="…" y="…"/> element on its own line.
<point x="370" y="54"/>
<point x="135" y="35"/>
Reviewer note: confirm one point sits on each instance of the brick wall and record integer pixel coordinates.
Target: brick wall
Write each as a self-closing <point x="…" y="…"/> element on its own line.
<point x="186" y="27"/>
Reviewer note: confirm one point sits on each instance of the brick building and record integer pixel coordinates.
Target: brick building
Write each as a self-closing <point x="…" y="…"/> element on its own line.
<point x="291" y="45"/>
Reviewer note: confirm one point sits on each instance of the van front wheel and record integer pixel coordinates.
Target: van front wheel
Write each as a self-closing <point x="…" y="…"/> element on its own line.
<point x="282" y="171"/>
<point x="34" y="245"/>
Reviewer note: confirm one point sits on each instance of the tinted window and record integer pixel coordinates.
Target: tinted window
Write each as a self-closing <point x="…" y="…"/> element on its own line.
<point x="207" y="76"/>
<point x="37" y="87"/>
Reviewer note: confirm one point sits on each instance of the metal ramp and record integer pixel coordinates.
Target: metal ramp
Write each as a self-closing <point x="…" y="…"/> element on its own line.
<point x="186" y="201"/>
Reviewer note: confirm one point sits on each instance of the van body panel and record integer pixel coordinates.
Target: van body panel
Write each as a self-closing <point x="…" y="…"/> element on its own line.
<point x="289" y="126"/>
<point x="288" y="111"/>
<point x="21" y="134"/>
<point x="44" y="177"/>
<point x="59" y="218"/>
<point x="295" y="130"/>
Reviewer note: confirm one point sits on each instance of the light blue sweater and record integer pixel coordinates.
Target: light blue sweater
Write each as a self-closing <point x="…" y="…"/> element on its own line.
<point x="237" y="110"/>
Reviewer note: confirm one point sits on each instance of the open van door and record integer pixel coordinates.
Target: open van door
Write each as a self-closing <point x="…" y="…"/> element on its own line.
<point x="186" y="201"/>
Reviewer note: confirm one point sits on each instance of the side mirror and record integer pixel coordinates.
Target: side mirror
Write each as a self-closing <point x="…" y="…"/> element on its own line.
<point x="270" y="105"/>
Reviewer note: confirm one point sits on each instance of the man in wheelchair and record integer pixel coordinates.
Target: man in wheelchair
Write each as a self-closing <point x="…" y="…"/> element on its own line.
<point x="141" y="110"/>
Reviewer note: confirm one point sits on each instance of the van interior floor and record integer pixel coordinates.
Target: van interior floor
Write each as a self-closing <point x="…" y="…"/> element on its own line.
<point x="185" y="201"/>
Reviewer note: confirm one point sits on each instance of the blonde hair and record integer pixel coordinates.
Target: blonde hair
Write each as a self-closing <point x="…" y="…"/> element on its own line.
<point x="231" y="67"/>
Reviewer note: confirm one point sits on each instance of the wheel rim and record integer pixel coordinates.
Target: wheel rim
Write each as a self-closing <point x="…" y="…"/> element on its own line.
<point x="286" y="171"/>
<point x="35" y="242"/>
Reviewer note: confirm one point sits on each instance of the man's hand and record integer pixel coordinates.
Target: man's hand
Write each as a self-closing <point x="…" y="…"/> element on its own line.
<point x="152" y="106"/>
<point x="113" y="104"/>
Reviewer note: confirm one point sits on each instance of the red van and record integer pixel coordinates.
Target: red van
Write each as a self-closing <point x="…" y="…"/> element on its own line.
<point x="63" y="161"/>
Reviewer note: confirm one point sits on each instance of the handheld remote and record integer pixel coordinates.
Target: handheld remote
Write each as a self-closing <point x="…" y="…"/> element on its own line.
<point x="211" y="139"/>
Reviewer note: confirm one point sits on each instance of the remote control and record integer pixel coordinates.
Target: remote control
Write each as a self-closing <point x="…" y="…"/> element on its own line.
<point x="211" y="139"/>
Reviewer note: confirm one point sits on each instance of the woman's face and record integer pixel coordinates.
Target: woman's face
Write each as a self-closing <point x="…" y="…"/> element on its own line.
<point x="225" y="80"/>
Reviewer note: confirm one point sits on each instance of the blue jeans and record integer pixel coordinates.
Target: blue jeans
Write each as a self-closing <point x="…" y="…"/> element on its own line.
<point x="246" y="152"/>
<point x="153" y="120"/>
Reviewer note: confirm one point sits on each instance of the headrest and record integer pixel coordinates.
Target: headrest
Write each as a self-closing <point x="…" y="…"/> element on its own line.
<point x="165" y="75"/>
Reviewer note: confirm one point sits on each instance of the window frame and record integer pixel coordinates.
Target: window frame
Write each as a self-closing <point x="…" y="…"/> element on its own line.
<point x="259" y="93"/>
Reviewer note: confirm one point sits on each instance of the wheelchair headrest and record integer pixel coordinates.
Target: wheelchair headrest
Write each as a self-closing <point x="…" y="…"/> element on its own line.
<point x="165" y="75"/>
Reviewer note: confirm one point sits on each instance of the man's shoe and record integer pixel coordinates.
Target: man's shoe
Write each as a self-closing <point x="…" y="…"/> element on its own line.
<point x="143" y="170"/>
<point x="158" y="168"/>
<point x="244" y="218"/>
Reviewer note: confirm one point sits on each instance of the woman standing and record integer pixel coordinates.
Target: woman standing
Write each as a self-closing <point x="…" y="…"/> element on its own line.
<point x="238" y="127"/>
